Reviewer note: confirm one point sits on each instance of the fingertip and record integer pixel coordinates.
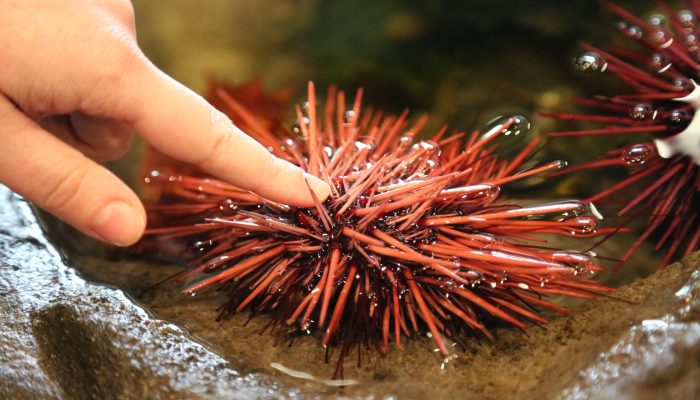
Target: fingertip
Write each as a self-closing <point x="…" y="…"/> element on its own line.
<point x="320" y="188"/>
<point x="287" y="183"/>
<point x="119" y="223"/>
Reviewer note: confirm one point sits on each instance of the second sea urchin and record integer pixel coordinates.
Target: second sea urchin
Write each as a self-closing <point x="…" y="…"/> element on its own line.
<point x="660" y="65"/>
<point x="415" y="236"/>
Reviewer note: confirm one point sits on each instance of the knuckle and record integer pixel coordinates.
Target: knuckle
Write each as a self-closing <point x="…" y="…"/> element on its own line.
<point x="125" y="57"/>
<point x="112" y="78"/>
<point x="63" y="190"/>
<point x="124" y="10"/>
<point x="121" y="10"/>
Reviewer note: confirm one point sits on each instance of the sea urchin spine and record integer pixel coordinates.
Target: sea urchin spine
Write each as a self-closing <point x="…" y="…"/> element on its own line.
<point x="412" y="238"/>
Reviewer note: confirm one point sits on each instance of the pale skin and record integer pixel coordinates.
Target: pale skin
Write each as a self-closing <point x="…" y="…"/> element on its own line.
<point x="75" y="87"/>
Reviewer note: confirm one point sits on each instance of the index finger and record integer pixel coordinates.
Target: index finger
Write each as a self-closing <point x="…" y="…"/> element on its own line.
<point x="183" y="125"/>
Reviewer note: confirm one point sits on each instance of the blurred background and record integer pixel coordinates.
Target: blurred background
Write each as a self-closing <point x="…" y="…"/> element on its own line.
<point x="463" y="61"/>
<point x="454" y="58"/>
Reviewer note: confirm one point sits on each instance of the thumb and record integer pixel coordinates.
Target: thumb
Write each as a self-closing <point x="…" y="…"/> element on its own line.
<point x="61" y="180"/>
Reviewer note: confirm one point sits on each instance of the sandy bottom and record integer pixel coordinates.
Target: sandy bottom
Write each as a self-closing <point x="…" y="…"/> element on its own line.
<point x="537" y="364"/>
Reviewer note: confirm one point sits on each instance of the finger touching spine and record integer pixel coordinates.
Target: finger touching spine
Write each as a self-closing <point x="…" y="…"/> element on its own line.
<point x="181" y="124"/>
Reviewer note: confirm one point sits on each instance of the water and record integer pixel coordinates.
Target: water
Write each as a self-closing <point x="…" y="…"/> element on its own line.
<point x="465" y="63"/>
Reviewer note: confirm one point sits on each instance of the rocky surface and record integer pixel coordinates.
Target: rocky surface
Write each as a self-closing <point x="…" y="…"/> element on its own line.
<point x="657" y="358"/>
<point x="63" y="337"/>
<point x="66" y="336"/>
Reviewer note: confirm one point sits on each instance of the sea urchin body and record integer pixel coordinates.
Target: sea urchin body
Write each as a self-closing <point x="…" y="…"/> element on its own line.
<point x="414" y="237"/>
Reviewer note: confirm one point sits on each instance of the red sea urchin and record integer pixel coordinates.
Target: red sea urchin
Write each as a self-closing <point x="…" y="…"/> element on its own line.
<point x="664" y="178"/>
<point x="413" y="237"/>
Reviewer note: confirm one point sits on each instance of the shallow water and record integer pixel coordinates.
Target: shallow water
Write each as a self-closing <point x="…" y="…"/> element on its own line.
<point x="464" y="62"/>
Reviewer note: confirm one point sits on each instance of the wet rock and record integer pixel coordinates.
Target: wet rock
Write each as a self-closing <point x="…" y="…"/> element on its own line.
<point x="656" y="358"/>
<point x="63" y="337"/>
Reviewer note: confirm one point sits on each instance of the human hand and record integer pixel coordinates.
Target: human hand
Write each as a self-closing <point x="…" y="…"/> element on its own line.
<point x="74" y="86"/>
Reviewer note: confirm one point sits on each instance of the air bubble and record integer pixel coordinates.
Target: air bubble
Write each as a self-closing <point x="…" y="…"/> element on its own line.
<point x="349" y="116"/>
<point x="507" y="125"/>
<point x="433" y="164"/>
<point x="679" y="116"/>
<point x="659" y="62"/>
<point x="296" y="128"/>
<point x="691" y="42"/>
<point x="634" y="31"/>
<point x="587" y="224"/>
<point x="683" y="85"/>
<point x="590" y="61"/>
<point x="507" y="133"/>
<point x="638" y="154"/>
<point x="687" y="19"/>
<point x="560" y="164"/>
<point x="641" y="111"/>
<point x="359" y="146"/>
<point x="405" y="141"/>
<point x="658" y="20"/>
<point x="520" y="125"/>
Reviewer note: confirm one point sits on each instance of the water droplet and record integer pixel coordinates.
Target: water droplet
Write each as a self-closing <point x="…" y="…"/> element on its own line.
<point x="572" y="209"/>
<point x="594" y="211"/>
<point x="405" y="141"/>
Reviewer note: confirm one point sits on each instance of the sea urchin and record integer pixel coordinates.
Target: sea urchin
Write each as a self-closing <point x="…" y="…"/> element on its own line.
<point x="660" y="68"/>
<point x="414" y="237"/>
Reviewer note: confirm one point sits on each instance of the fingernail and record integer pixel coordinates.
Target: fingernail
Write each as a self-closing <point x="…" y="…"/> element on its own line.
<point x="119" y="224"/>
<point x="320" y="188"/>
